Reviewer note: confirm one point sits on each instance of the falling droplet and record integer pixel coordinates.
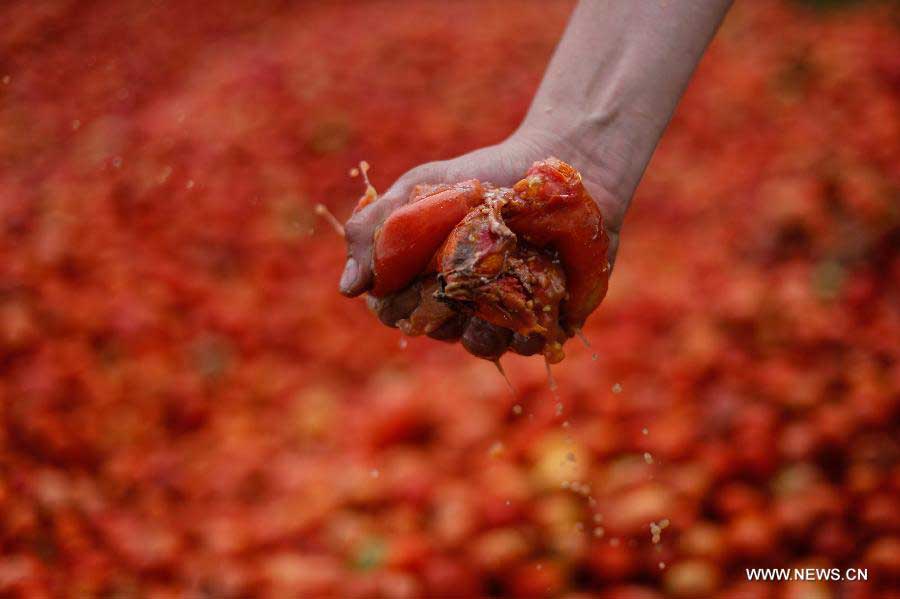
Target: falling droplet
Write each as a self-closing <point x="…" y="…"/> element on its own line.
<point x="645" y="431"/>
<point x="323" y="211"/>
<point x="190" y="184"/>
<point x="496" y="449"/>
<point x="505" y="377"/>
<point x="364" y="169"/>
<point x="648" y="458"/>
<point x="584" y="339"/>
<point x="517" y="409"/>
<point x="371" y="194"/>
<point x="617" y="388"/>
<point x="551" y="382"/>
<point x="594" y="356"/>
<point x="662" y="565"/>
<point x="403" y="343"/>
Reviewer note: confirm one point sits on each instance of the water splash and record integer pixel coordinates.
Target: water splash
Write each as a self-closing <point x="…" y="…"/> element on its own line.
<point x="551" y="382"/>
<point x="370" y="195"/>
<point x="505" y="377"/>
<point x="324" y="212"/>
<point x="583" y="338"/>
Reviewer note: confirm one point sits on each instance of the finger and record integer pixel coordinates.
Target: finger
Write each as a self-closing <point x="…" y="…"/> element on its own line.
<point x="429" y="313"/>
<point x="485" y="340"/>
<point x="527" y="345"/>
<point x="451" y="330"/>
<point x="359" y="233"/>
<point x="613" y="248"/>
<point x="396" y="307"/>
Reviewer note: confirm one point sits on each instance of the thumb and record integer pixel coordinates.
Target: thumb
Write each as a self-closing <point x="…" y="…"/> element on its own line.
<point x="360" y="228"/>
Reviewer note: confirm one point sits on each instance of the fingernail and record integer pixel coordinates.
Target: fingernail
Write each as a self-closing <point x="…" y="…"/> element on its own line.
<point x="348" y="279"/>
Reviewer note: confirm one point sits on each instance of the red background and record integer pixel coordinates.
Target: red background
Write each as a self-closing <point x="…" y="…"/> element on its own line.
<point x="188" y="406"/>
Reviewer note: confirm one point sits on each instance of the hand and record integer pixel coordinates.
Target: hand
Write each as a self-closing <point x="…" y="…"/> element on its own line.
<point x="502" y="164"/>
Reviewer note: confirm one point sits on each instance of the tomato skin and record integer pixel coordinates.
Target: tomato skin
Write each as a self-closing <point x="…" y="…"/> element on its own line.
<point x="408" y="239"/>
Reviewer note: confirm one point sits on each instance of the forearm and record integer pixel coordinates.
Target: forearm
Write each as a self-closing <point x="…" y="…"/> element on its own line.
<point x="616" y="77"/>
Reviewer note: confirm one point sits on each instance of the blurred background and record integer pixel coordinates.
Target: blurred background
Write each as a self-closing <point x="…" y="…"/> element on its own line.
<point x="189" y="408"/>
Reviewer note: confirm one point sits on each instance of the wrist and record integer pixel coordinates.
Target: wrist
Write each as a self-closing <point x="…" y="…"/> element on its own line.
<point x="592" y="145"/>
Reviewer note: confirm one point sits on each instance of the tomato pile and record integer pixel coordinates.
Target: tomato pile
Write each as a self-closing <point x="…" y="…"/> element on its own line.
<point x="188" y="405"/>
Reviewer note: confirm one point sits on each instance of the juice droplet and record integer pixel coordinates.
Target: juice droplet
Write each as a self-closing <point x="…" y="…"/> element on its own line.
<point x="325" y="213"/>
<point x="594" y="356"/>
<point x="496" y="449"/>
<point x="584" y="339"/>
<point x="371" y="194"/>
<point x="370" y="189"/>
<point x="655" y="530"/>
<point x="551" y="382"/>
<point x="505" y="377"/>
<point x="617" y="388"/>
<point x="364" y="169"/>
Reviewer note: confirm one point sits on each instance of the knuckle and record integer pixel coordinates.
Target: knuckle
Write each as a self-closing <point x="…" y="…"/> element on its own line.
<point x="355" y="227"/>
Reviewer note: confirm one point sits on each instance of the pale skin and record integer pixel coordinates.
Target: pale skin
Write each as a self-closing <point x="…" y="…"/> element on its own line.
<point x="613" y="83"/>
